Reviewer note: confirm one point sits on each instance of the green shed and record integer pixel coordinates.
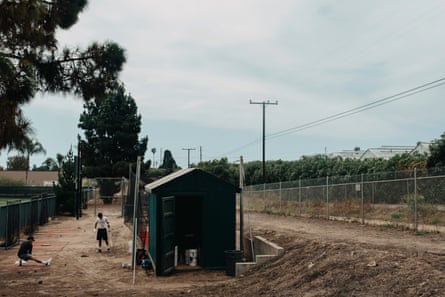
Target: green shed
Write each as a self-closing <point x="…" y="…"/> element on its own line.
<point x="191" y="210"/>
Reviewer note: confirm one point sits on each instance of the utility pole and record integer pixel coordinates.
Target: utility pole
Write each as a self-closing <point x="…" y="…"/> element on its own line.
<point x="264" y="103"/>
<point x="241" y="207"/>
<point x="200" y="153"/>
<point x="188" y="153"/>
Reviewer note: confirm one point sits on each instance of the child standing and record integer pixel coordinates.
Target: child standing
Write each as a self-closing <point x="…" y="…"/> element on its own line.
<point x="101" y="224"/>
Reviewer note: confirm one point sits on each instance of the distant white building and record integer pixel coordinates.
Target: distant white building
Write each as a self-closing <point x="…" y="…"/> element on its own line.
<point x="385" y="152"/>
<point x="422" y="148"/>
<point x="348" y="154"/>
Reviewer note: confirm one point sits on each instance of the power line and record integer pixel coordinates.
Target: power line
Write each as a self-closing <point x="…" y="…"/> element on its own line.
<point x="377" y="103"/>
<point x="349" y="112"/>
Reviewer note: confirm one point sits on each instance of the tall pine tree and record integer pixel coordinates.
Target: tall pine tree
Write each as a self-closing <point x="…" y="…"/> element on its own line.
<point x="111" y="129"/>
<point x="31" y="61"/>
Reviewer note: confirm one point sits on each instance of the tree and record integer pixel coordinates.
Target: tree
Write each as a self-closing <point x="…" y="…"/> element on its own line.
<point x="16" y="163"/>
<point x="48" y="165"/>
<point x="222" y="169"/>
<point x="14" y="128"/>
<point x="437" y="150"/>
<point x="31" y="61"/>
<point x="28" y="148"/>
<point x="111" y="130"/>
<point x="168" y="162"/>
<point x="59" y="158"/>
<point x="65" y="190"/>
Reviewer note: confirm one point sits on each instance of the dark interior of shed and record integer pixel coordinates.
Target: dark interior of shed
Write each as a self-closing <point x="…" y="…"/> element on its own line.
<point x="188" y="225"/>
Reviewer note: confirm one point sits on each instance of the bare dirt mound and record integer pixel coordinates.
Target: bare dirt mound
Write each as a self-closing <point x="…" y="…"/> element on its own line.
<point x="327" y="258"/>
<point x="322" y="258"/>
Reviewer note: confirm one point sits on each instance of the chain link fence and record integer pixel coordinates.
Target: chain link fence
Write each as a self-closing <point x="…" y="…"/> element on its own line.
<point x="412" y="199"/>
<point x="107" y="190"/>
<point x="142" y="209"/>
<point x="104" y="190"/>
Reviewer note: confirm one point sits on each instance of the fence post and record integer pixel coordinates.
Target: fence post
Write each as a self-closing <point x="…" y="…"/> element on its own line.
<point x="264" y="196"/>
<point x="299" y="194"/>
<point x="7" y="226"/>
<point x="327" y="197"/>
<point x="363" y="202"/>
<point x="122" y="196"/>
<point x="280" y="196"/>
<point x="415" y="199"/>
<point x="95" y="196"/>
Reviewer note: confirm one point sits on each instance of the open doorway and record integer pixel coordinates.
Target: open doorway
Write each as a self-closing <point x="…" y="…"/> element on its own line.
<point x="188" y="229"/>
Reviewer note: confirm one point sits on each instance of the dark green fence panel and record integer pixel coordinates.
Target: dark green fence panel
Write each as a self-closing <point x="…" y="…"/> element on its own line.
<point x="13" y="227"/>
<point x="3" y="225"/>
<point x="24" y="217"/>
<point x="43" y="219"/>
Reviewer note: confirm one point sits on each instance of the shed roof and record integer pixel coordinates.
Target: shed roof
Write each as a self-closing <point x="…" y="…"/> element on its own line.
<point x="180" y="173"/>
<point x="168" y="178"/>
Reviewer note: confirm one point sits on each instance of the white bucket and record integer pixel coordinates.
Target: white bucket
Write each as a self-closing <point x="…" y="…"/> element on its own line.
<point x="193" y="255"/>
<point x="187" y="257"/>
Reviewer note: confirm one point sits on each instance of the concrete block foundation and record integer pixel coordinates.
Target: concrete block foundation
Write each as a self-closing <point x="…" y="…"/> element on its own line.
<point x="263" y="250"/>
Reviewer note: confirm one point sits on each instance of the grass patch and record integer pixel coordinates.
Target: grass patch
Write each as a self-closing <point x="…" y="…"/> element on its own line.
<point x="397" y="215"/>
<point x="6" y="200"/>
<point x="421" y="232"/>
<point x="390" y="225"/>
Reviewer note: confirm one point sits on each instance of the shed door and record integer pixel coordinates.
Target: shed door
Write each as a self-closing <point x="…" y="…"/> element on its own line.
<point x="168" y="224"/>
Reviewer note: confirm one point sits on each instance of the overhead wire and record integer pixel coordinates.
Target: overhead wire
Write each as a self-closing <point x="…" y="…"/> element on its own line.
<point x="374" y="104"/>
<point x="386" y="100"/>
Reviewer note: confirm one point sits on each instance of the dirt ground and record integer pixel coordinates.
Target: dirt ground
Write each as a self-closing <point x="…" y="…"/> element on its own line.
<point x="322" y="258"/>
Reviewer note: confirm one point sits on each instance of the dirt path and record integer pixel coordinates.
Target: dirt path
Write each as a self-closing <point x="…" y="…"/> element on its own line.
<point x="78" y="270"/>
<point x="322" y="230"/>
<point x="322" y="258"/>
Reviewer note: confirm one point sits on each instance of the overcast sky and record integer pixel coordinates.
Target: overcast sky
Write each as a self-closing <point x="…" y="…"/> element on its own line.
<point x="193" y="66"/>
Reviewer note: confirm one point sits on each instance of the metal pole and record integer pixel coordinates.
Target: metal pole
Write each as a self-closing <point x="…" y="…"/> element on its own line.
<point x="264" y="143"/>
<point x="133" y="260"/>
<point x="327" y="197"/>
<point x="415" y="199"/>
<point x="363" y="203"/>
<point x="299" y="194"/>
<point x="264" y="195"/>
<point x="135" y="201"/>
<point x="122" y="196"/>
<point x="241" y="206"/>
<point x="95" y="197"/>
<point x="188" y="155"/>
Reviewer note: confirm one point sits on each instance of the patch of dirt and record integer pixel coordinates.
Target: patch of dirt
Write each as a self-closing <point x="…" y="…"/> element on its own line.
<point x="322" y="258"/>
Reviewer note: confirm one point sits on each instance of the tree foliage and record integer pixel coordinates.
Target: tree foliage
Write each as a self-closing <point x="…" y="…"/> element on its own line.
<point x="111" y="129"/>
<point x="28" y="148"/>
<point x="16" y="163"/>
<point x="168" y="163"/>
<point x="311" y="167"/>
<point x="31" y="60"/>
<point x="48" y="165"/>
<point x="65" y="190"/>
<point x="221" y="169"/>
<point x="437" y="149"/>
